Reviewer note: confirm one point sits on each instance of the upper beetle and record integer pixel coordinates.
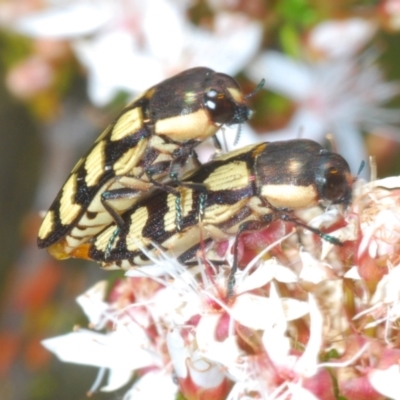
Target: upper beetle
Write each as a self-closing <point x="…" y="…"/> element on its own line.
<point x="154" y="135"/>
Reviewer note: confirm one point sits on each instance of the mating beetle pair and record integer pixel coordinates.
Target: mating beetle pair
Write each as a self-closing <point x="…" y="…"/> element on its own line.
<point x="104" y="213"/>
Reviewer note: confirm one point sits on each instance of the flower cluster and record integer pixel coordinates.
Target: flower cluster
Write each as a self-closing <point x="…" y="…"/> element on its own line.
<point x="316" y="321"/>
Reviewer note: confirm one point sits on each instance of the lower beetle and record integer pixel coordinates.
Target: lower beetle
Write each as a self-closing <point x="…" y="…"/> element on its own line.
<point x="246" y="189"/>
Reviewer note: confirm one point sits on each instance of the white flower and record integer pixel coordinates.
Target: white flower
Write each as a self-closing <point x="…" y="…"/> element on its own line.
<point x="131" y="45"/>
<point x="379" y="217"/>
<point x="341" y="38"/>
<point x="264" y="310"/>
<point x="94" y="306"/>
<point x="55" y="21"/>
<point x="191" y="365"/>
<point x="122" y="350"/>
<point x="385" y="302"/>
<point x="343" y="96"/>
<point x="313" y="270"/>
<point x="262" y="275"/>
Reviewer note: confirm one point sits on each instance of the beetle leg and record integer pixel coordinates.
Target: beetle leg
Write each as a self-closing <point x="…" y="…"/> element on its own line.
<point x="122" y="193"/>
<point x="289" y="217"/>
<point x="188" y="257"/>
<point x="198" y="187"/>
<point x="176" y="165"/>
<point x="195" y="159"/>
<point x="217" y="144"/>
<point x="116" y="194"/>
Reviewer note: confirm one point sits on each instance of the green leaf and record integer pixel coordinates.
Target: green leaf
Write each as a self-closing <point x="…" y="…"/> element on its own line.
<point x="290" y="41"/>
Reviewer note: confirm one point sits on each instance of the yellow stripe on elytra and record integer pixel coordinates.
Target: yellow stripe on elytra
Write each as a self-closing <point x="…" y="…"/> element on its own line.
<point x="95" y="164"/>
<point x="128" y="123"/>
<point x="104" y="133"/>
<point x="78" y="164"/>
<point x="181" y="242"/>
<point x="130" y="158"/>
<point x="135" y="239"/>
<point x="220" y="213"/>
<point x="47" y="225"/>
<point x="68" y="208"/>
<point x="231" y="176"/>
<point x="103" y="240"/>
<point x="237" y="152"/>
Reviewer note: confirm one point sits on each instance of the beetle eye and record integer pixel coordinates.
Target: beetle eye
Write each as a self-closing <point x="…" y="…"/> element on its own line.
<point x="335" y="187"/>
<point x="221" y="108"/>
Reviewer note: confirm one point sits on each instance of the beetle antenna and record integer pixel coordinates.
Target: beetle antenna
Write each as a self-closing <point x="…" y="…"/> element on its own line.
<point x="256" y="89"/>
<point x="360" y="169"/>
<point x="248" y="96"/>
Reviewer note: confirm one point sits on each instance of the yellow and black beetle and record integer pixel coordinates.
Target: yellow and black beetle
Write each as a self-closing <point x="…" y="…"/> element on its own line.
<point x="153" y="137"/>
<point x="245" y="190"/>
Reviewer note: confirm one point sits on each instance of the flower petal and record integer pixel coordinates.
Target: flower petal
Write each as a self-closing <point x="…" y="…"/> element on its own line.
<point x="65" y="22"/>
<point x="386" y="381"/>
<point x="253" y="311"/>
<point x="282" y="74"/>
<point x="234" y="41"/>
<point x="341" y="38"/>
<point x="307" y="363"/>
<point x="274" y="338"/>
<point x="153" y="385"/>
<point x="119" y="349"/>
<point x="178" y="351"/>
<point x="263" y="274"/>
<point x="225" y="352"/>
<point x="93" y="305"/>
